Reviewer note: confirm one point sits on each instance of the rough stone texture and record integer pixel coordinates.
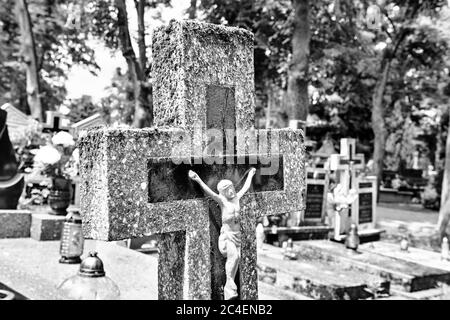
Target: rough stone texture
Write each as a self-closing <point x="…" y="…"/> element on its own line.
<point x="317" y="279"/>
<point x="15" y="223"/>
<point x="46" y="226"/>
<point x="119" y="209"/>
<point x="188" y="57"/>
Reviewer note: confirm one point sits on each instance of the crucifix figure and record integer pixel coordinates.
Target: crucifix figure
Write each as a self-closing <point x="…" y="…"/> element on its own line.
<point x="230" y="233"/>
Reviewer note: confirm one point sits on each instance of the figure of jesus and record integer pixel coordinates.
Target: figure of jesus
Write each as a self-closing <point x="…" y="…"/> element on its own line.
<point x="230" y="233"/>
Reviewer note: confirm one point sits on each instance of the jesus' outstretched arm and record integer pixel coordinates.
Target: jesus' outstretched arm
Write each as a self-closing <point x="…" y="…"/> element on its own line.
<point x="194" y="176"/>
<point x="247" y="183"/>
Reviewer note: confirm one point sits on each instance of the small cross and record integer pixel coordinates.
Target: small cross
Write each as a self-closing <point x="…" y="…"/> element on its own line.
<point x="56" y="122"/>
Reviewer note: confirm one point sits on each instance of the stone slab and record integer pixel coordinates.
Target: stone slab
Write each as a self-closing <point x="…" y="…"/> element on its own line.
<point x="271" y="292"/>
<point x="423" y="257"/>
<point x="296" y="233"/>
<point x="430" y="294"/>
<point x="45" y="226"/>
<point x="317" y="279"/>
<point x="366" y="235"/>
<point x="32" y="269"/>
<point x="404" y="275"/>
<point x="15" y="223"/>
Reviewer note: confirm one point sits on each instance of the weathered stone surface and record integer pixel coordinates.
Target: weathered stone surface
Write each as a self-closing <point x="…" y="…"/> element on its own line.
<point x="46" y="226"/>
<point x="403" y="274"/>
<point x="15" y="223"/>
<point x="115" y="206"/>
<point x="190" y="59"/>
<point x="423" y="257"/>
<point x="189" y="56"/>
<point x="317" y="279"/>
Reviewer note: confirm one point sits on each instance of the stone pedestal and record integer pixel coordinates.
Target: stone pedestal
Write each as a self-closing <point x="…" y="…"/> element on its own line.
<point x="15" y="223"/>
<point x="45" y="226"/>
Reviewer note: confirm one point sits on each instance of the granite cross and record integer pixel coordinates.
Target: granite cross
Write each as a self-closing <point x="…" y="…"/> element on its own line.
<point x="135" y="182"/>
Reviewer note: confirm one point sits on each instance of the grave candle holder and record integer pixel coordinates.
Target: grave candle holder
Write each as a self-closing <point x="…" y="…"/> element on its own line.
<point x="72" y="240"/>
<point x="445" y="249"/>
<point x="404" y="244"/>
<point x="91" y="282"/>
<point x="352" y="239"/>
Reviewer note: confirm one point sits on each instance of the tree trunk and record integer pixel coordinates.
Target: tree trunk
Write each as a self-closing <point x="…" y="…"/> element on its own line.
<point x="140" y="10"/>
<point x="142" y="114"/>
<point x="28" y="52"/>
<point x="193" y="10"/>
<point x="297" y="91"/>
<point x="444" y="212"/>
<point x="378" y="123"/>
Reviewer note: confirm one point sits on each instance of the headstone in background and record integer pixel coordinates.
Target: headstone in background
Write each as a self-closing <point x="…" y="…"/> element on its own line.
<point x="204" y="78"/>
<point x="317" y="184"/>
<point x="17" y="121"/>
<point x="362" y="211"/>
<point x="93" y="121"/>
<point x="366" y="205"/>
<point x="346" y="164"/>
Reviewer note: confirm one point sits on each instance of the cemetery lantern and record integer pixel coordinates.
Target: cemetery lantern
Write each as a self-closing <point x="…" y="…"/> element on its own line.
<point x="91" y="282"/>
<point x="72" y="239"/>
<point x="352" y="239"/>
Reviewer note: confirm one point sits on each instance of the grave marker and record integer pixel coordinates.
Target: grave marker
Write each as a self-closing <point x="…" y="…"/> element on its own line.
<point x="346" y="164"/>
<point x="366" y="205"/>
<point x="55" y="122"/>
<point x="317" y="181"/>
<point x="204" y="78"/>
<point x="362" y="211"/>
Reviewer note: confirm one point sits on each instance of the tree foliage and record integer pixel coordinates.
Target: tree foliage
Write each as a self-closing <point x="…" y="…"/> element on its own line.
<point x="59" y="45"/>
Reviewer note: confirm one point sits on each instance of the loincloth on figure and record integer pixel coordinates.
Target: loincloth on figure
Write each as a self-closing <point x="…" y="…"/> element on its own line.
<point x="232" y="236"/>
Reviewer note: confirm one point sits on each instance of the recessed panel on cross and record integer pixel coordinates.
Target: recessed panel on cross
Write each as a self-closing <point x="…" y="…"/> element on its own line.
<point x="221" y="114"/>
<point x="168" y="181"/>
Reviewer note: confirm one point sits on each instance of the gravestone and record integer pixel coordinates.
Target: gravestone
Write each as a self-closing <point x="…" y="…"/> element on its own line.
<point x="17" y="122"/>
<point x="362" y="211"/>
<point x="346" y="164"/>
<point x="134" y="182"/>
<point x="95" y="120"/>
<point x="317" y="184"/>
<point x="366" y="204"/>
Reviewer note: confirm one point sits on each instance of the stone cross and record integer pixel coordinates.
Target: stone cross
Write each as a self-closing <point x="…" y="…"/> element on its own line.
<point x="135" y="181"/>
<point x="347" y="163"/>
<point x="55" y="122"/>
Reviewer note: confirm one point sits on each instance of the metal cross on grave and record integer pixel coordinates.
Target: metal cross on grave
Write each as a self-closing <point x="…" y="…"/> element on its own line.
<point x="135" y="181"/>
<point x="346" y="164"/>
<point x="55" y="122"/>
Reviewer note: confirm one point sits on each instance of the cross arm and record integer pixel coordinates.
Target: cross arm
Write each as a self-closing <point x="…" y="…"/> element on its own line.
<point x="194" y="176"/>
